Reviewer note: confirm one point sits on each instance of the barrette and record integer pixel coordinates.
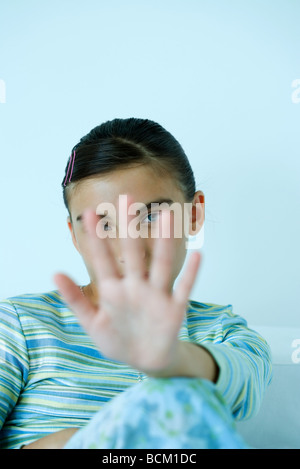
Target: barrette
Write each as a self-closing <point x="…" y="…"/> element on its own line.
<point x="71" y="161"/>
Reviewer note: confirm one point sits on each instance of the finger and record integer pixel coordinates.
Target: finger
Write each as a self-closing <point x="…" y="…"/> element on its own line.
<point x="79" y="304"/>
<point x="132" y="246"/>
<point x="185" y="285"/>
<point x="99" y="253"/>
<point x="163" y="252"/>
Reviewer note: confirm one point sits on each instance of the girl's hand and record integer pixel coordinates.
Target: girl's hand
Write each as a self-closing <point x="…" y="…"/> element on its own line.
<point x="138" y="319"/>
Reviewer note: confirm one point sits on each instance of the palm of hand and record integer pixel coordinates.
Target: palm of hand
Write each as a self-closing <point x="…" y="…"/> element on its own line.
<point x="136" y="323"/>
<point x="138" y="318"/>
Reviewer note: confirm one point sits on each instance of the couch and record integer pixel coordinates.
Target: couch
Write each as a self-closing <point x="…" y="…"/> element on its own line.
<point x="277" y="424"/>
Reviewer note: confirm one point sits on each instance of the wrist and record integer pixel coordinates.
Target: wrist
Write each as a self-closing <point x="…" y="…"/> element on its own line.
<point x="174" y="367"/>
<point x="189" y="360"/>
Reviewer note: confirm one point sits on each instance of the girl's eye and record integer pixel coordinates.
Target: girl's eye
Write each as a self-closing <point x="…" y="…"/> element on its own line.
<point x="105" y="226"/>
<point x="152" y="217"/>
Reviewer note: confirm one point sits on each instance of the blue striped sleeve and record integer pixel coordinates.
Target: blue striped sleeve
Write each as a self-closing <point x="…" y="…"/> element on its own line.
<point x="13" y="359"/>
<point x="242" y="355"/>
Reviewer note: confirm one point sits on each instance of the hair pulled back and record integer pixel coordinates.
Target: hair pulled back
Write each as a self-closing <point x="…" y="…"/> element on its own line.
<point x="123" y="143"/>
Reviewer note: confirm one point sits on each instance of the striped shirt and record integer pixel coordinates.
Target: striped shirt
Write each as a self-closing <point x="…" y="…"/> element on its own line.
<point x="53" y="377"/>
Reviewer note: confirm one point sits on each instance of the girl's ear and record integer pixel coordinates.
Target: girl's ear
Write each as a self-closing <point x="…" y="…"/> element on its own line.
<point x="197" y="215"/>
<point x="71" y="228"/>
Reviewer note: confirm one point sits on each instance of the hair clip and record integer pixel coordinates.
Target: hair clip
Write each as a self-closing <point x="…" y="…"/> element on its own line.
<point x="72" y="160"/>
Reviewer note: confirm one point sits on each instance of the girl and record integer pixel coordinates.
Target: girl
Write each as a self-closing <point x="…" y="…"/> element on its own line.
<point x="139" y="365"/>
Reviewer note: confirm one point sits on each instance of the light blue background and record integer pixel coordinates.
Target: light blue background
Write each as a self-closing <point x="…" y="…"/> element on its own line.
<point x="217" y="74"/>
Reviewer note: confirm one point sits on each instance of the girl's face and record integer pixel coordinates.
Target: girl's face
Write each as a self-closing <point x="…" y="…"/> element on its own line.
<point x="144" y="185"/>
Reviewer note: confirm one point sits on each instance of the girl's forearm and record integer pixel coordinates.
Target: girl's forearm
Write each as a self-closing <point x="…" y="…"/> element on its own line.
<point x="55" y="440"/>
<point x="190" y="360"/>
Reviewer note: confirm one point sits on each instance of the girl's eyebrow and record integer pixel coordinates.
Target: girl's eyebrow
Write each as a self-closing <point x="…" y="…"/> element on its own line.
<point x="79" y="218"/>
<point x="160" y="201"/>
<point x="148" y="206"/>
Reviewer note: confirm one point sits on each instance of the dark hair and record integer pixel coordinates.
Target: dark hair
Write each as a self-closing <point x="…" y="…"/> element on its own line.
<point x="122" y="143"/>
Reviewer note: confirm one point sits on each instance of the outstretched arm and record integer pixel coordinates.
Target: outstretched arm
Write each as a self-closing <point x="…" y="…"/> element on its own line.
<point x="139" y="317"/>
